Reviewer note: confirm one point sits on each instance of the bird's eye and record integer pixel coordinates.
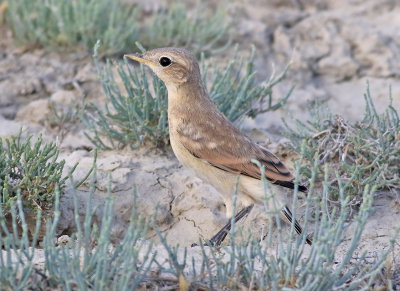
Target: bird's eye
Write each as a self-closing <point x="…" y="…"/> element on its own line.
<point x="165" y="62"/>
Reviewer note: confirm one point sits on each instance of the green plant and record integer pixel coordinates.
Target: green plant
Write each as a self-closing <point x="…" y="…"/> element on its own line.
<point x="198" y="29"/>
<point x="288" y="264"/>
<point x="363" y="152"/>
<point x="65" y="118"/>
<point x="133" y="115"/>
<point x="72" y="24"/>
<point x="90" y="261"/>
<point x="87" y="261"/>
<point x="33" y="170"/>
<point x="237" y="92"/>
<point x="67" y="24"/>
<point x="137" y="112"/>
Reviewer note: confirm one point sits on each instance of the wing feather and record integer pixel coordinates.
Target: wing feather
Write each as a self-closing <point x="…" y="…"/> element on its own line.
<point x="232" y="151"/>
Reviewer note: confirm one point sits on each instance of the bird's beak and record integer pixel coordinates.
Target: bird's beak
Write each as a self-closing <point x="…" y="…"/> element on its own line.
<point x="140" y="59"/>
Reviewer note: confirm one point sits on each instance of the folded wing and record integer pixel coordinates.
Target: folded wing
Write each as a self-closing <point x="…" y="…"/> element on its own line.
<point x="231" y="151"/>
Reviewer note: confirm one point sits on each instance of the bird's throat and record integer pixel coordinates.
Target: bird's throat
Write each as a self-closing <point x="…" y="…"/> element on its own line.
<point x="192" y="94"/>
<point x="188" y="102"/>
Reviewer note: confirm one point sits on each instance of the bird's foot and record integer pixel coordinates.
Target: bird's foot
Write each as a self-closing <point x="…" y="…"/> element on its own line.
<point x="220" y="236"/>
<point x="309" y="238"/>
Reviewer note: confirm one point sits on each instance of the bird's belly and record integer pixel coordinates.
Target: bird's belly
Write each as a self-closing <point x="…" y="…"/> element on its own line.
<point x="220" y="179"/>
<point x="249" y="190"/>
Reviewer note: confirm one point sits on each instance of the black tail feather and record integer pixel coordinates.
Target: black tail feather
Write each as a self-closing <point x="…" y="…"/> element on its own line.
<point x="290" y="185"/>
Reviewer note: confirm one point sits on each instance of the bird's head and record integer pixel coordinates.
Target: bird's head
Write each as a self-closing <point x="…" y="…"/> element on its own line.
<point x="174" y="66"/>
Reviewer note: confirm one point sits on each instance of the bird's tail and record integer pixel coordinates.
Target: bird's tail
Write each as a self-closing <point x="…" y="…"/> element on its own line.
<point x="288" y="217"/>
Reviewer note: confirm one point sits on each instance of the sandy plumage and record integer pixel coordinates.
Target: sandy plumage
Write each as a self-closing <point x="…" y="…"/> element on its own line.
<point x="204" y="140"/>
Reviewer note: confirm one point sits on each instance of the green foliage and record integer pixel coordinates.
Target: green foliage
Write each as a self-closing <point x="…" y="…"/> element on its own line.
<point x="137" y="112"/>
<point x="290" y="264"/>
<point x="67" y="24"/>
<point x="363" y="152"/>
<point x="90" y="261"/>
<point x="87" y="261"/>
<point x="65" y="118"/>
<point x="199" y="29"/>
<point x="133" y="115"/>
<point x="34" y="170"/>
<point x="237" y="92"/>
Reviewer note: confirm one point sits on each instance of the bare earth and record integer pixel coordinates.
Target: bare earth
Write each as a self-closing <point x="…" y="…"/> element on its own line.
<point x="334" y="48"/>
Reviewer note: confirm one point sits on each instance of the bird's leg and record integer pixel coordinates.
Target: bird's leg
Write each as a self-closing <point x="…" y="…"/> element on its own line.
<point x="219" y="237"/>
<point x="288" y="218"/>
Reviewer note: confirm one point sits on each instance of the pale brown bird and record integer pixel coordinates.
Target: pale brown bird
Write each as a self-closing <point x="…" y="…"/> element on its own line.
<point x="204" y="140"/>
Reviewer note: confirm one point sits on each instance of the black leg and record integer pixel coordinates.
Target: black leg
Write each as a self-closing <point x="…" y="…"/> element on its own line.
<point x="219" y="237"/>
<point x="289" y="219"/>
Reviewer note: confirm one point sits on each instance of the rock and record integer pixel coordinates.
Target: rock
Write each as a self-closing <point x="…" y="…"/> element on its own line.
<point x="38" y="257"/>
<point x="376" y="51"/>
<point x="87" y="73"/>
<point x="36" y="111"/>
<point x="84" y="158"/>
<point x="163" y="190"/>
<point x="63" y="97"/>
<point x="310" y="39"/>
<point x="7" y="93"/>
<point x="9" y="127"/>
<point x="289" y="18"/>
<point x="248" y="27"/>
<point x="9" y="90"/>
<point x="31" y="59"/>
<point x="346" y="98"/>
<point x="9" y="65"/>
<point x="339" y="64"/>
<point x="76" y="141"/>
<point x="9" y="112"/>
<point x="27" y="86"/>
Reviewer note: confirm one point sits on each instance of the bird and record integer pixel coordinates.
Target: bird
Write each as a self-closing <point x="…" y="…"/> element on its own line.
<point x="206" y="141"/>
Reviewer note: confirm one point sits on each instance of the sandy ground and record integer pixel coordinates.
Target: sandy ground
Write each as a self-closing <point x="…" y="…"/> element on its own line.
<point x="334" y="49"/>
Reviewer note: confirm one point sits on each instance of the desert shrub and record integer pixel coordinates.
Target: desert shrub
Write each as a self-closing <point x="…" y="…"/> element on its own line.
<point x="236" y="91"/>
<point x="90" y="260"/>
<point x="70" y="25"/>
<point x="198" y="29"/>
<point x="137" y="112"/>
<point x="132" y="115"/>
<point x="288" y="263"/>
<point x="32" y="170"/>
<point x="363" y="152"/>
<point x="64" y="119"/>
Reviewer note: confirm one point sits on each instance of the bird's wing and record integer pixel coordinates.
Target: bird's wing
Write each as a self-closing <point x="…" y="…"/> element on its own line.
<point x="226" y="148"/>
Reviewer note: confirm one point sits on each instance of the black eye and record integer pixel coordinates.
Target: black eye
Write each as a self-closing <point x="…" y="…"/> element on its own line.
<point x="165" y="62"/>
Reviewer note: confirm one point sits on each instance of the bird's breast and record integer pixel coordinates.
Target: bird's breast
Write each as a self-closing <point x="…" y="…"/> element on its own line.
<point x="181" y="153"/>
